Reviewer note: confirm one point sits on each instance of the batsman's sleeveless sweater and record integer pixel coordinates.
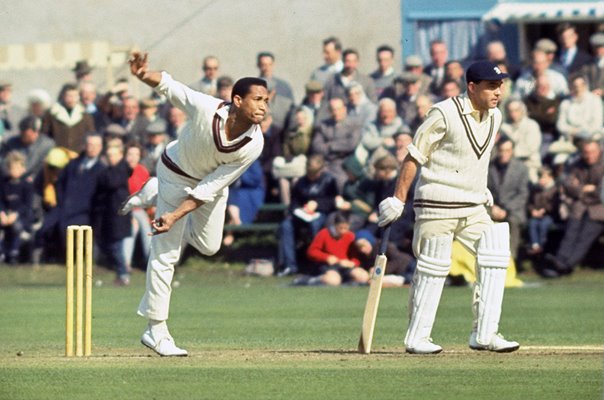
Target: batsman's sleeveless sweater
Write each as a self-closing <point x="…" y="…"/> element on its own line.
<point x="453" y="182"/>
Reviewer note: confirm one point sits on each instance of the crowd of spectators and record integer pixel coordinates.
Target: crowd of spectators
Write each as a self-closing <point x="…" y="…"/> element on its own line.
<point x="331" y="158"/>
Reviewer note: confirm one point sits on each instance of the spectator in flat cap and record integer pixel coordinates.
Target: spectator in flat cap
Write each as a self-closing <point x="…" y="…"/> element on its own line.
<point x="550" y="48"/>
<point x="157" y="140"/>
<point x="408" y="85"/>
<point x="594" y="70"/>
<point x="414" y="64"/>
<point x="315" y="101"/>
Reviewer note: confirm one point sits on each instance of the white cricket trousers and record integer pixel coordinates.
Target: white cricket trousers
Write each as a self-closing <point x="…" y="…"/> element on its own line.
<point x="201" y="228"/>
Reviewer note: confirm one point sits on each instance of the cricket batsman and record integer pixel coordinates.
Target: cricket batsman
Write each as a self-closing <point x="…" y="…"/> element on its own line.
<point x="451" y="150"/>
<point x="218" y="144"/>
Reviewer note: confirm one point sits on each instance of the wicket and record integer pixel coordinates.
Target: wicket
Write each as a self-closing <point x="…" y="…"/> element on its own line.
<point x="79" y="247"/>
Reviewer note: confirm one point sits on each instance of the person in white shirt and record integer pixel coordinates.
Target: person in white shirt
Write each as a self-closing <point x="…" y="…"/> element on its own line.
<point x="452" y="147"/>
<point x="190" y="192"/>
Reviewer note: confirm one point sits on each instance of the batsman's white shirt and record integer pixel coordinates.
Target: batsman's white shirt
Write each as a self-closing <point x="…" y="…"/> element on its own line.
<point x="212" y="163"/>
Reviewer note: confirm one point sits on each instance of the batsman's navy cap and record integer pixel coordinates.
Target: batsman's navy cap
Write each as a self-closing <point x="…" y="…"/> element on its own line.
<point x="484" y="71"/>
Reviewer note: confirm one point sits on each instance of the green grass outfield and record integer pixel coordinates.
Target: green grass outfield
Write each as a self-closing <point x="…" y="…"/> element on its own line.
<point x="257" y="338"/>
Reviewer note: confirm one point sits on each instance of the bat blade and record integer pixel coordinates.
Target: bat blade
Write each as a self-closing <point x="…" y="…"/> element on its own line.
<point x="371" y="306"/>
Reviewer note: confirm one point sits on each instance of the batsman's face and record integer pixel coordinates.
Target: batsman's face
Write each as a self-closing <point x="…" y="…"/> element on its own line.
<point x="486" y="94"/>
<point x="254" y="105"/>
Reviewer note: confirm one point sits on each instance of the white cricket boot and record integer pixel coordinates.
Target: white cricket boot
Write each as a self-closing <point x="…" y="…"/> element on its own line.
<point x="164" y="346"/>
<point x="145" y="197"/>
<point x="497" y="344"/>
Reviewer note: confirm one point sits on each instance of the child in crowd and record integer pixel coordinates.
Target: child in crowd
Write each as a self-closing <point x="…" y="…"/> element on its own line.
<point x="16" y="197"/>
<point x="399" y="267"/>
<point x="543" y="201"/>
<point x="332" y="250"/>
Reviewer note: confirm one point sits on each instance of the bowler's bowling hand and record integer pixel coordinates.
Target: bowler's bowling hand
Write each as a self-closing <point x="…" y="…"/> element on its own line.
<point x="162" y="224"/>
<point x="138" y="64"/>
<point x="390" y="209"/>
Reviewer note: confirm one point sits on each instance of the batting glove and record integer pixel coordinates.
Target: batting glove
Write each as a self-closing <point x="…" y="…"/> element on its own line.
<point x="390" y="209"/>
<point x="490" y="201"/>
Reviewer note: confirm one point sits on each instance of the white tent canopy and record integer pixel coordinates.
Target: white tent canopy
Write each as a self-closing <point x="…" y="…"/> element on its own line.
<point x="509" y="12"/>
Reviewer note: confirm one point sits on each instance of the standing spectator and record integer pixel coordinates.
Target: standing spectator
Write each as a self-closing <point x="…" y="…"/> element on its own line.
<point x="594" y="70"/>
<point x="540" y="65"/>
<point x="582" y="186"/>
<point x="336" y="85"/>
<point x="265" y="61"/>
<point x="359" y="104"/>
<point x="67" y="121"/>
<point x="571" y="57"/>
<point x="581" y="115"/>
<point x="383" y="76"/>
<point x="543" y="106"/>
<point x="496" y="53"/>
<point x="550" y="48"/>
<point x="141" y="226"/>
<point x="542" y="206"/>
<point x="31" y="144"/>
<point x="454" y="72"/>
<point x="525" y="134"/>
<point x="112" y="191"/>
<point x="439" y="55"/>
<point x="332" y="56"/>
<point x="508" y="181"/>
<point x="312" y="199"/>
<point x="336" y="138"/>
<point x="208" y="83"/>
<point x="82" y="71"/>
<point x="16" y="200"/>
<point x="131" y="118"/>
<point x="332" y="252"/>
<point x="10" y="113"/>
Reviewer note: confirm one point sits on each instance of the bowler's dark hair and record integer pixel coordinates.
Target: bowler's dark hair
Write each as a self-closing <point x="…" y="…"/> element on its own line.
<point x="243" y="85"/>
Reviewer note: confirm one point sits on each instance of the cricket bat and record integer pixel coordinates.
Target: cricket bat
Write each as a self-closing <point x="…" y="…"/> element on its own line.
<point x="373" y="299"/>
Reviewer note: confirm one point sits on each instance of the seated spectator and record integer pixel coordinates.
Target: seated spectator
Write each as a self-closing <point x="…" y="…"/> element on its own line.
<point x="67" y="121"/>
<point x="332" y="251"/>
<point x="496" y="53"/>
<point x="359" y="104"/>
<point x="454" y="72"/>
<point x="380" y="132"/>
<point x="580" y="115"/>
<point x="543" y="106"/>
<point x="450" y="88"/>
<point x="423" y="103"/>
<point x="406" y="101"/>
<point x="141" y="226"/>
<point x="582" y="186"/>
<point x="157" y="140"/>
<point x="292" y="164"/>
<point x="112" y="192"/>
<point x="39" y="102"/>
<point x="336" y="85"/>
<point x="525" y="134"/>
<point x="246" y="196"/>
<point x="224" y="87"/>
<point x="16" y="200"/>
<point x="31" y="144"/>
<point x="414" y="64"/>
<point x="540" y="65"/>
<point x="314" y="100"/>
<point x="542" y="206"/>
<point x="400" y="266"/>
<point x="312" y="199"/>
<point x="508" y="182"/>
<point x="336" y="138"/>
<point x="177" y="119"/>
<point x="10" y="113"/>
<point x="357" y="197"/>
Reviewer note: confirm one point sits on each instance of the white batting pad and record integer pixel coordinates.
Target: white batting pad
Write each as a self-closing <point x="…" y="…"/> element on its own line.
<point x="433" y="266"/>
<point x="493" y="258"/>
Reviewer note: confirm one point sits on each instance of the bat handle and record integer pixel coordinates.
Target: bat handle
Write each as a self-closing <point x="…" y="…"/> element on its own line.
<point x="385" y="238"/>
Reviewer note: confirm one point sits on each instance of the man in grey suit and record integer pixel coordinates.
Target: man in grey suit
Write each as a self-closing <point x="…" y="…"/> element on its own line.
<point x="509" y="183"/>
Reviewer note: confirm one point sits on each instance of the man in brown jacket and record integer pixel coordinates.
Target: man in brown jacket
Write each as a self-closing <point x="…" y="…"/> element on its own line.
<point x="586" y="220"/>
